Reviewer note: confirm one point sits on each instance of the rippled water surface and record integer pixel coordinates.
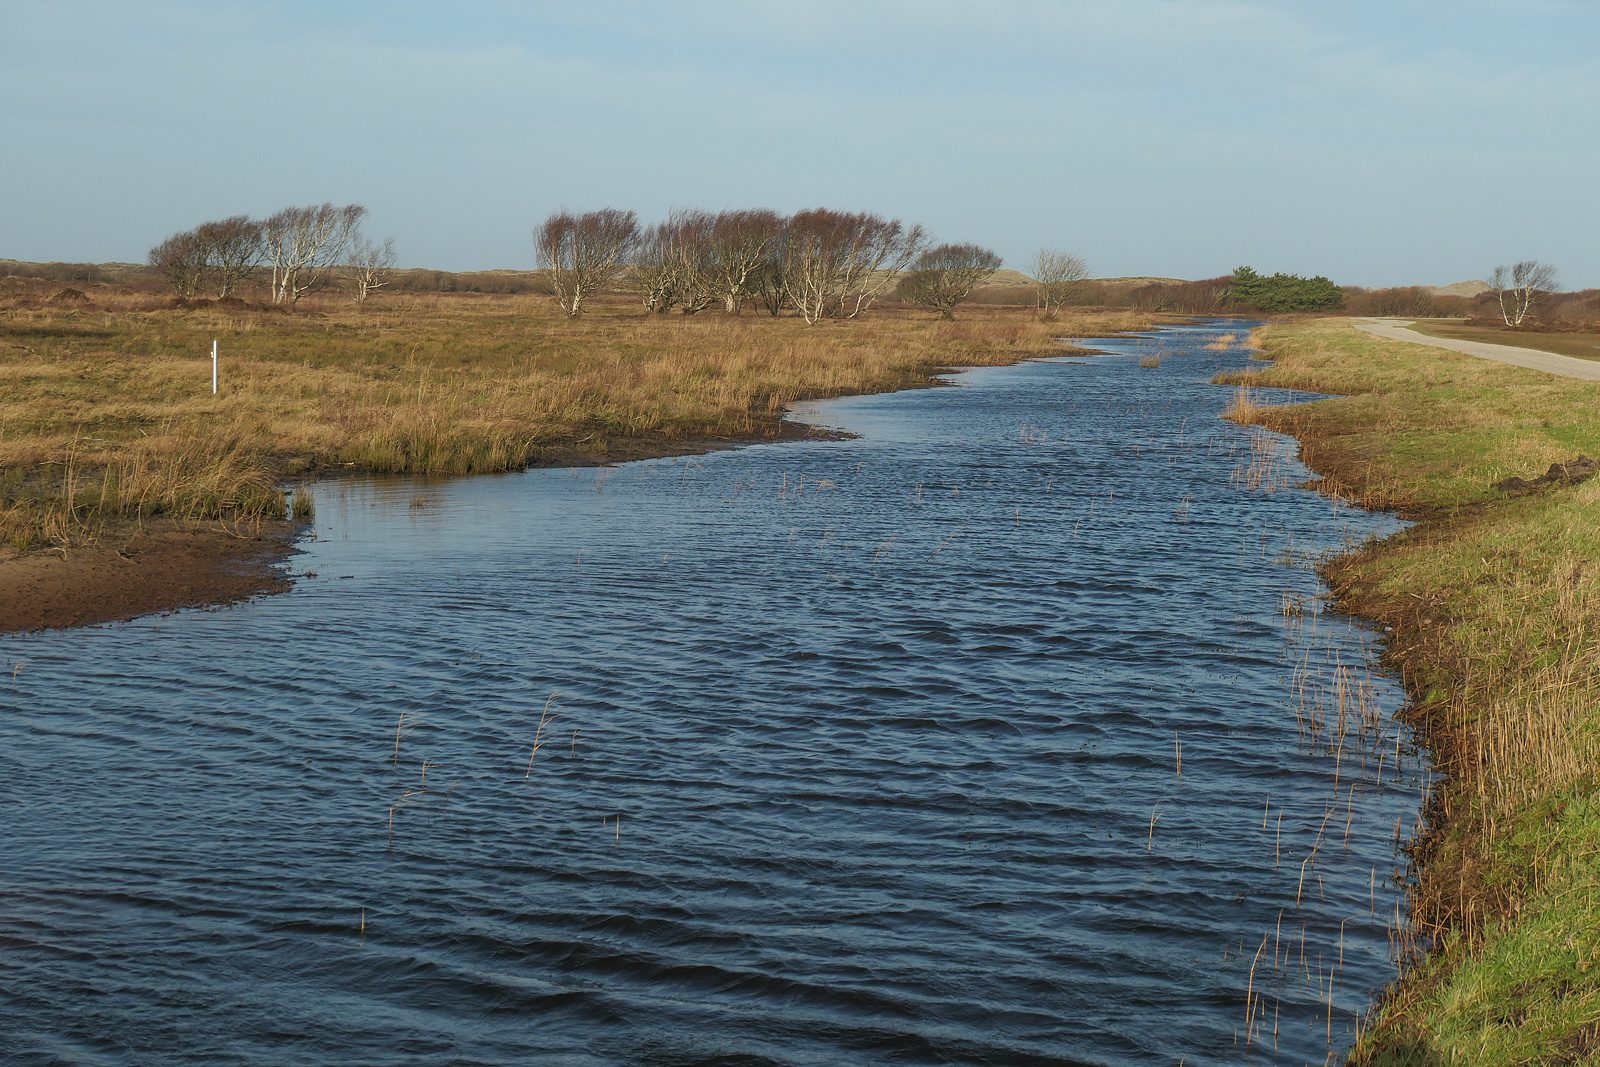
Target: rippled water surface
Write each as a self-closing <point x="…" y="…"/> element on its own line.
<point x="857" y="751"/>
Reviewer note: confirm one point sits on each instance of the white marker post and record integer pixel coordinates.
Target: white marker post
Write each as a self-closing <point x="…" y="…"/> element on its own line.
<point x="213" y="368"/>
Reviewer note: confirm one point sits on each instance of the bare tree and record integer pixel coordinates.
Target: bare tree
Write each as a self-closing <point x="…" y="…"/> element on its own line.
<point x="943" y="276"/>
<point x="233" y="248"/>
<point x="183" y="261"/>
<point x="766" y="282"/>
<point x="813" y="258"/>
<point x="1518" y="288"/>
<point x="655" y="269"/>
<point x="371" y="266"/>
<point x="584" y="253"/>
<point x="738" y="248"/>
<point x="672" y="263"/>
<point x="698" y="287"/>
<point x="878" y="251"/>
<point x="836" y="263"/>
<point x="1056" y="276"/>
<point x="304" y="244"/>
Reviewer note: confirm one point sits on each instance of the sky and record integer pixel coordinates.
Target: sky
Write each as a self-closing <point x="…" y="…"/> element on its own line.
<point x="1377" y="143"/>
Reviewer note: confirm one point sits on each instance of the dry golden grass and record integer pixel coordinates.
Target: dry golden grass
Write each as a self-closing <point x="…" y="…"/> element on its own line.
<point x="1244" y="408"/>
<point x="106" y="412"/>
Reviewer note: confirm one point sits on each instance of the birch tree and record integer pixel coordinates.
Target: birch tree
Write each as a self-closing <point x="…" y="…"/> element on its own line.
<point x="1518" y="288"/>
<point x="371" y="266"/>
<point x="1056" y="275"/>
<point x="584" y="252"/>
<point x="766" y="283"/>
<point x="943" y="276"/>
<point x="655" y="269"/>
<point x="837" y="263"/>
<point x="303" y="245"/>
<point x="672" y="263"/>
<point x="878" y="250"/>
<point x="813" y="261"/>
<point x="738" y="248"/>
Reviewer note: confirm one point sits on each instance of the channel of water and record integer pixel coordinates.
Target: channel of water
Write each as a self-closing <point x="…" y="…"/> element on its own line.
<point x="1014" y="729"/>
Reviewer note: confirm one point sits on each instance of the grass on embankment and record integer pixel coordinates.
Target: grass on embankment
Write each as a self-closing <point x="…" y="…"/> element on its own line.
<point x="1494" y="603"/>
<point x="1584" y="344"/>
<point x="106" y="414"/>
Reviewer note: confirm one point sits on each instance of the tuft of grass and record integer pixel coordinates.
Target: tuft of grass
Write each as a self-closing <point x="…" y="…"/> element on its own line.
<point x="1493" y="602"/>
<point x="1149" y="362"/>
<point x="1244" y="408"/>
<point x="74" y="497"/>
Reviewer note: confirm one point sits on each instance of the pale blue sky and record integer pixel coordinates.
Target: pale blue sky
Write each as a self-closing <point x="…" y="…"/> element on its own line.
<point x="1378" y="143"/>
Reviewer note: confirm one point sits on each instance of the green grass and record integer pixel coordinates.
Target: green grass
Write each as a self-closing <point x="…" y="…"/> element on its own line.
<point x="1494" y="606"/>
<point x="1584" y="344"/>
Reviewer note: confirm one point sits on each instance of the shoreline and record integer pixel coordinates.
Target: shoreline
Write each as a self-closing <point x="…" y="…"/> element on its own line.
<point x="1497" y="955"/>
<point x="165" y="567"/>
<point x="131" y="571"/>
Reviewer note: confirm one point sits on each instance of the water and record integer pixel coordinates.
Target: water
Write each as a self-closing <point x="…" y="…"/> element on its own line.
<point x="865" y="751"/>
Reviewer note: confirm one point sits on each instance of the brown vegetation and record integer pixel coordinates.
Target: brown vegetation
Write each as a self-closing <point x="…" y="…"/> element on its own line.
<point x="108" y="425"/>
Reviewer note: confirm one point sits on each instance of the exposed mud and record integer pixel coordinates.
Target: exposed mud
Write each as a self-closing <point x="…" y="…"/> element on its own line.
<point x="1560" y="474"/>
<point x="163" y="569"/>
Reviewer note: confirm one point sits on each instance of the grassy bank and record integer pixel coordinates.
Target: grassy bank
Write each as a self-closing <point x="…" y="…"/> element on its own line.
<point x="107" y="419"/>
<point x="1493" y="599"/>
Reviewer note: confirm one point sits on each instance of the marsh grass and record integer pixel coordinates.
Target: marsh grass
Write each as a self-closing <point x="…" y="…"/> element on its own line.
<point x="1268" y="465"/>
<point x="1493" y="603"/>
<point x="106" y="414"/>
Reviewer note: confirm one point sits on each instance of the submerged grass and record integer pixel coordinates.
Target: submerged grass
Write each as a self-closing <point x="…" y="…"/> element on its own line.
<point x="106" y="413"/>
<point x="1493" y="601"/>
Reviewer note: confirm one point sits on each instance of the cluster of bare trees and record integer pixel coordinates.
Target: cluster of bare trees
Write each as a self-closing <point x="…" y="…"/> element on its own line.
<point x="302" y="248"/>
<point x="1518" y="287"/>
<point x="696" y="259"/>
<point x="215" y="255"/>
<point x="819" y="263"/>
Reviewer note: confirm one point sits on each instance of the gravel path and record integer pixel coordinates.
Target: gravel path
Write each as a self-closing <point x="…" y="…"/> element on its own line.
<point x="1532" y="358"/>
